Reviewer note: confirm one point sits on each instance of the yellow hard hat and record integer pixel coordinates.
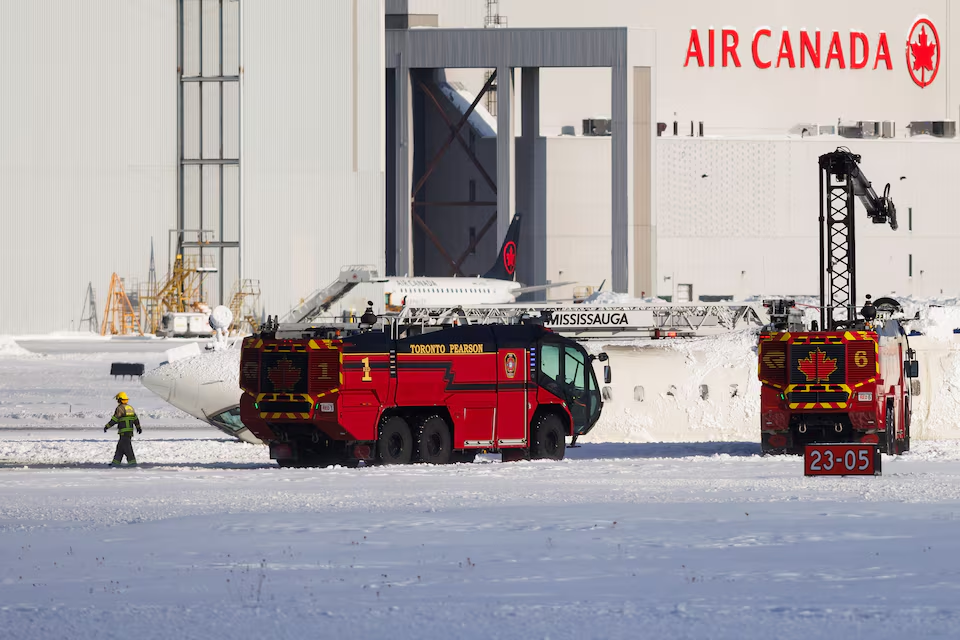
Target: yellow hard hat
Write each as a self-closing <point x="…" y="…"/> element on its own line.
<point x="122" y="397"/>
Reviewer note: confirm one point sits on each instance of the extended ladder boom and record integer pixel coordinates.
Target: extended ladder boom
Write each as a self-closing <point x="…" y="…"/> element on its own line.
<point x="841" y="180"/>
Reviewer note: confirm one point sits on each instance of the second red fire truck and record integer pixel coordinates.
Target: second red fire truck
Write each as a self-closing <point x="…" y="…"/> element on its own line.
<point x="850" y="377"/>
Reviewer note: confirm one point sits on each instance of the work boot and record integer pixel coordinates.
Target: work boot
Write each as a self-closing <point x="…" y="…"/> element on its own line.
<point x="131" y="463"/>
<point x="115" y="463"/>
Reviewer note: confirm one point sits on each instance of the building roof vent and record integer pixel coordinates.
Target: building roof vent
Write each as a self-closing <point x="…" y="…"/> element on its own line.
<point x="568" y="130"/>
<point x="937" y="128"/>
<point x="596" y="126"/>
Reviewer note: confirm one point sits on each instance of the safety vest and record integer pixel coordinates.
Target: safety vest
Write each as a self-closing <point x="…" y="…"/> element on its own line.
<point x="126" y="420"/>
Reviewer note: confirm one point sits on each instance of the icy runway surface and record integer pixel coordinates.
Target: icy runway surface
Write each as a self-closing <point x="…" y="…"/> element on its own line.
<point x="209" y="539"/>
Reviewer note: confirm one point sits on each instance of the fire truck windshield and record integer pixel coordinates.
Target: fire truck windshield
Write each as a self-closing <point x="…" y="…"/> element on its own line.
<point x="565" y="370"/>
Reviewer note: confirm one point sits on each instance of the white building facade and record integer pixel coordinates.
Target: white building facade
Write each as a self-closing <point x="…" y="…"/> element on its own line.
<point x="737" y="209"/>
<point x="89" y="153"/>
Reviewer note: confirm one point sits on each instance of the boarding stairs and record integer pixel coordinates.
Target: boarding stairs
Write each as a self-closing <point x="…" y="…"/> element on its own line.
<point x="321" y="300"/>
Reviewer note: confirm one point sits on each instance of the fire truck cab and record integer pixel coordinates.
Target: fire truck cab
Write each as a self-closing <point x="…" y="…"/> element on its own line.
<point x="332" y="395"/>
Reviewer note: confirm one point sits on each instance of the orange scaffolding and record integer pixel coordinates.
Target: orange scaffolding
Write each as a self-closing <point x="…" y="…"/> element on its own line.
<point x="119" y="317"/>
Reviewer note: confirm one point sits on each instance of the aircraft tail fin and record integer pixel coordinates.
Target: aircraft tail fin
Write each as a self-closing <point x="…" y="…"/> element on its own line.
<point x="505" y="267"/>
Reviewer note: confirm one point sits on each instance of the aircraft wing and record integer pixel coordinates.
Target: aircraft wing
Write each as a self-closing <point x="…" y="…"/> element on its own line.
<point x="539" y="287"/>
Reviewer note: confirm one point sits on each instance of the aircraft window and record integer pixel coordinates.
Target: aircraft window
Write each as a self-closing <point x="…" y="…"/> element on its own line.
<point x="229" y="419"/>
<point x="704" y="392"/>
<point x="638" y="394"/>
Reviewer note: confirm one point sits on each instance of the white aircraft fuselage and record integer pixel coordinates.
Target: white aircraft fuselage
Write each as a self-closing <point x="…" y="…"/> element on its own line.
<point x="443" y="292"/>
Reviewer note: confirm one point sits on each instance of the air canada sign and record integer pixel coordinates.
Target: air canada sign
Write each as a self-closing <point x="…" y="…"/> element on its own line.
<point x="816" y="49"/>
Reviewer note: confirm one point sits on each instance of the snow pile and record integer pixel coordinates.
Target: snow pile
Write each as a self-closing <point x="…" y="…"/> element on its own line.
<point x="212" y="366"/>
<point x="684" y="390"/>
<point x="10" y="349"/>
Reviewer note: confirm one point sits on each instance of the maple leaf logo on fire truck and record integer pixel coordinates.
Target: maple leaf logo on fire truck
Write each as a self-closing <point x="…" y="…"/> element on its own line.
<point x="817" y="366"/>
<point x="284" y="375"/>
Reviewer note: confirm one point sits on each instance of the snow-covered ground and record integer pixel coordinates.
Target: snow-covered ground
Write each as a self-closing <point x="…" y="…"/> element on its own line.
<point x="208" y="539"/>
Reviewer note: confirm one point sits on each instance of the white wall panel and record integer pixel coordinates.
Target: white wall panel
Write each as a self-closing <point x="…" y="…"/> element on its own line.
<point x="307" y="211"/>
<point x="578" y="204"/>
<point x="756" y="230"/>
<point x="87" y="152"/>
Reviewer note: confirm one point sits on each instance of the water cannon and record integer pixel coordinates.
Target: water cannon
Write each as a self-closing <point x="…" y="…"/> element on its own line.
<point x="369" y="318"/>
<point x="868" y="311"/>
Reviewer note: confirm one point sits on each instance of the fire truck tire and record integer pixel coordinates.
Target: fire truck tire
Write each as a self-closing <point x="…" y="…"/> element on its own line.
<point x="549" y="438"/>
<point x="891" y="432"/>
<point x="395" y="445"/>
<point x="433" y="442"/>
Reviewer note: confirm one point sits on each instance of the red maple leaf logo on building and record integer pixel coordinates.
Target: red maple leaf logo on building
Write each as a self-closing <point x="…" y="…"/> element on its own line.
<point x="923" y="52"/>
<point x="510" y="257"/>
<point x="284" y="375"/>
<point x="817" y="366"/>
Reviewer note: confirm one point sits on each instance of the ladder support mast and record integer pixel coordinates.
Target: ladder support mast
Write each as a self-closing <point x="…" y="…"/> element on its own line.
<point x="841" y="184"/>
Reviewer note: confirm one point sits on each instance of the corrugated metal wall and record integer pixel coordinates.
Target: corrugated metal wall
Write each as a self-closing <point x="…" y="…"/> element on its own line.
<point x="87" y="152"/>
<point x="313" y="144"/>
<point x="88" y="148"/>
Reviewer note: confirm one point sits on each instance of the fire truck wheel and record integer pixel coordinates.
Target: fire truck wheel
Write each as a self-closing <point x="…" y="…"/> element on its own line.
<point x="549" y="438"/>
<point x="892" y="448"/>
<point x="395" y="445"/>
<point x="433" y="444"/>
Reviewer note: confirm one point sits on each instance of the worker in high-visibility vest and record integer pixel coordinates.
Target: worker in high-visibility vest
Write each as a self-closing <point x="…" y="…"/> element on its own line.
<point x="126" y="420"/>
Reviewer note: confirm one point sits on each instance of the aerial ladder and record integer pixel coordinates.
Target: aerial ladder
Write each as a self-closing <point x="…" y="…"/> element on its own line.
<point x="841" y="184"/>
<point x="848" y="378"/>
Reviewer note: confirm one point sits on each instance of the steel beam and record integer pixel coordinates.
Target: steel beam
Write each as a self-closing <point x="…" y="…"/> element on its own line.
<point x="475" y="242"/>
<point x="506" y="154"/>
<point x="463" y="143"/>
<point x="206" y="161"/>
<point x="210" y="78"/>
<point x="446" y="145"/>
<point x="433" y="238"/>
<point x="475" y="203"/>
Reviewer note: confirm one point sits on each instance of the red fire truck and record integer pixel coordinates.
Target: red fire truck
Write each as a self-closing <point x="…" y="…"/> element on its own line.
<point x="846" y="378"/>
<point x="322" y="395"/>
<point x="836" y="386"/>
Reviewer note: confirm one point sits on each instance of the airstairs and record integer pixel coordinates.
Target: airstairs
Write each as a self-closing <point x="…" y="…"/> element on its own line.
<point x="321" y="300"/>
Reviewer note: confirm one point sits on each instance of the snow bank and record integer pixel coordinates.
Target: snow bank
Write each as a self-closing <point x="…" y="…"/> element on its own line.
<point x="10" y="349"/>
<point x="212" y="366"/>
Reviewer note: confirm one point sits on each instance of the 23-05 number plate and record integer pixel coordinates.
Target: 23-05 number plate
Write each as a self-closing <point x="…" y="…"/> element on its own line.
<point x="841" y="460"/>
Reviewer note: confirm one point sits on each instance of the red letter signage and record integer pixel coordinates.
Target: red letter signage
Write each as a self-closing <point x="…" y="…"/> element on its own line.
<point x="730" y="39"/>
<point x="855" y="37"/>
<point x="786" y="50"/>
<point x="835" y="52"/>
<point x="693" y="49"/>
<point x="807" y="47"/>
<point x="922" y="50"/>
<point x="756" y="54"/>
